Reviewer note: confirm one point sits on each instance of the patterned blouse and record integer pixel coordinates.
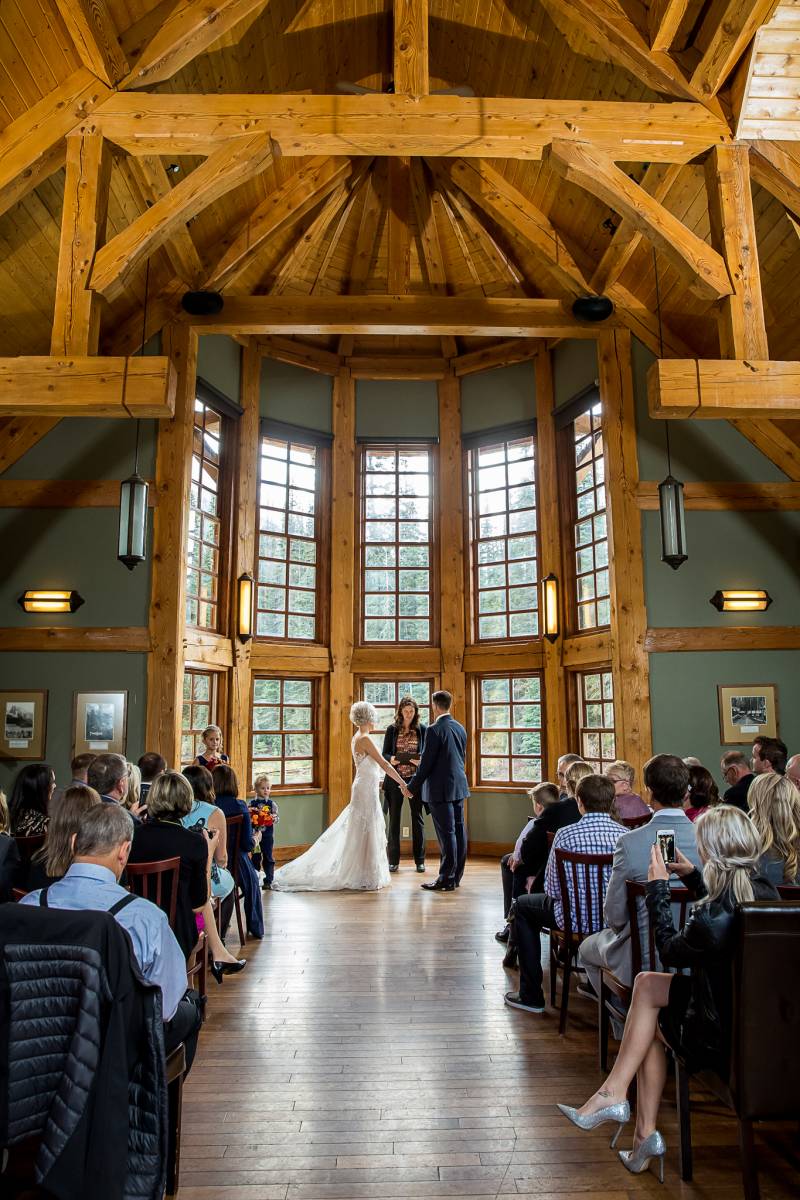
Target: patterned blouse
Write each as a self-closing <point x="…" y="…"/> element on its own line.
<point x="407" y="743"/>
<point x="30" y="823"/>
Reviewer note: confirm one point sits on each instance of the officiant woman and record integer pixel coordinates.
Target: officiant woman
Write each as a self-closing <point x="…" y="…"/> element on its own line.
<point x="402" y="747"/>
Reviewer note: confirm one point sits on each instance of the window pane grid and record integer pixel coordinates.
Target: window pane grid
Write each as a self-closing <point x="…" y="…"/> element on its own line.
<point x="396" y="544"/>
<point x="502" y="500"/>
<point x="288" y="541"/>
<point x="596" y="733"/>
<point x="509" y="746"/>
<point x="203" y="544"/>
<point x="591" y="528"/>
<point x="283" y="731"/>
<point x="198" y="711"/>
<point x="384" y="695"/>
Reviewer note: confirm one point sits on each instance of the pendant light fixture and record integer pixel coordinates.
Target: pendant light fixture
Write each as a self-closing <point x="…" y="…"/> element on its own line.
<point x="132" y="538"/>
<point x="670" y="490"/>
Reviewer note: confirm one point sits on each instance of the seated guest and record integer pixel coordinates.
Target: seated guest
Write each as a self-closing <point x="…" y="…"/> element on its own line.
<point x="775" y="812"/>
<point x="212" y="755"/>
<point x="690" y="761"/>
<point x="702" y="793"/>
<point x="594" y="833"/>
<point x="627" y="802"/>
<point x="226" y="792"/>
<point x="737" y="774"/>
<point x="29" y="808"/>
<point x="163" y="836"/>
<point x="691" y="1013"/>
<point x="562" y="766"/>
<point x="79" y="768"/>
<point x="101" y="847"/>
<point x="151" y="765"/>
<point x="769" y="754"/>
<point x="108" y="775"/>
<point x="134" y="792"/>
<point x="666" y="780"/>
<point x="793" y="770"/>
<point x="53" y="859"/>
<point x="10" y="861"/>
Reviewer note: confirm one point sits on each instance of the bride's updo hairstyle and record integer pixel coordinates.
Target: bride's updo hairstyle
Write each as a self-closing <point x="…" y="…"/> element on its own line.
<point x="363" y="713"/>
<point x="729" y="846"/>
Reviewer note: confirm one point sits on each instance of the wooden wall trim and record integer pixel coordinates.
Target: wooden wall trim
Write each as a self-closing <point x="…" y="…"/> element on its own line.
<point x="721" y="497"/>
<point x="586" y="650"/>
<point x="63" y="637"/>
<point x="489" y="849"/>
<point x="202" y="648"/>
<point x="508" y="656"/>
<point x="268" y="657"/>
<point x="383" y="660"/>
<point x="64" y="493"/>
<point x="452" y="622"/>
<point x="734" y="637"/>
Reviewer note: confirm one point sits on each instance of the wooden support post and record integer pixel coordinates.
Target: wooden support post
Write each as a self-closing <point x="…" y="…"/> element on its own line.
<point x="554" y="676"/>
<point x="451" y="541"/>
<point x="411" y="48"/>
<point x="168" y="581"/>
<point x="629" y="662"/>
<point x="399" y="242"/>
<point x="343" y="523"/>
<point x="245" y="500"/>
<point x="76" y="320"/>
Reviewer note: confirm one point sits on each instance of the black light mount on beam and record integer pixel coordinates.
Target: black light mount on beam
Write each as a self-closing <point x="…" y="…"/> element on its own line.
<point x="592" y="308"/>
<point x="202" y="304"/>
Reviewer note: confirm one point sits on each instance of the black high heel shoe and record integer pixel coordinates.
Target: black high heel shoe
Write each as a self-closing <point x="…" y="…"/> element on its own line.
<point x="218" y="969"/>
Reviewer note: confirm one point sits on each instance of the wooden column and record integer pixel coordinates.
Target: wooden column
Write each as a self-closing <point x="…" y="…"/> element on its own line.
<point x="168" y="581"/>
<point x="245" y="507"/>
<point x="451" y="543"/>
<point x="742" y="332"/>
<point x="342" y="606"/>
<point x="76" y="318"/>
<point x="550" y="549"/>
<point x="629" y="661"/>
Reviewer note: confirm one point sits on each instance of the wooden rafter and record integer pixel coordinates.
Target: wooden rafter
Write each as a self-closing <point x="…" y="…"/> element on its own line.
<point x="663" y="21"/>
<point x="701" y="267"/>
<point x="398" y="239"/>
<point x="151" y="181"/>
<point x="445" y="214"/>
<point x="736" y="27"/>
<point x="505" y="272"/>
<point x="224" y="170"/>
<point x="657" y="182"/>
<point x="430" y="248"/>
<point x="773" y="443"/>
<point x="366" y="244"/>
<point x="20" y="434"/>
<point x="776" y="167"/>
<point x="411" y="47"/>
<point x="94" y="37"/>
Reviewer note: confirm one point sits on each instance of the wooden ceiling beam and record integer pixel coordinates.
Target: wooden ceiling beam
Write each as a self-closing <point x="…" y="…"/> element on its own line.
<point x="20" y="434"/>
<point x="776" y="167"/>
<point x="289" y="272"/>
<point x="735" y="29"/>
<point x="151" y="181"/>
<point x="398" y="239"/>
<point x="702" y="268"/>
<point x="32" y="147"/>
<point x="366" y="244"/>
<point x="87" y="387"/>
<point x="663" y="21"/>
<point x="432" y="126"/>
<point x="411" y="48"/>
<point x="657" y="181"/>
<point x="95" y="39"/>
<point x="190" y="29"/>
<point x="774" y="444"/>
<point x="446" y="214"/>
<point x="430" y="247"/>
<point x="505" y="271"/>
<point x="502" y="354"/>
<point x="724" y="389"/>
<point x="224" y="170"/>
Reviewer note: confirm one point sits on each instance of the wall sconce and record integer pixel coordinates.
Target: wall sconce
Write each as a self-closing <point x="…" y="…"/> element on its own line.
<point x="741" y="600"/>
<point x="550" y="607"/>
<point x="131" y="544"/>
<point x="245" y="624"/>
<point x="49" y="601"/>
<point x="673" y="522"/>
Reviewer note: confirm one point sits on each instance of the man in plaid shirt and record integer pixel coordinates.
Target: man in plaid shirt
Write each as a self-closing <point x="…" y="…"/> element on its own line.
<point x="595" y="833"/>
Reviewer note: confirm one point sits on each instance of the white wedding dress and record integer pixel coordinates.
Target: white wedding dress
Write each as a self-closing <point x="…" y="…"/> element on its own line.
<point x="351" y="854"/>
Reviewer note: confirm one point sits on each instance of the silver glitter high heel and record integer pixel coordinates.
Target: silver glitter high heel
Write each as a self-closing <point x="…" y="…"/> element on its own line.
<point x="638" y="1160"/>
<point x="620" y="1112"/>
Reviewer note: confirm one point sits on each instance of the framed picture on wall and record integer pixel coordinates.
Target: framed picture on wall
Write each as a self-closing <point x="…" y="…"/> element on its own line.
<point x="746" y="712"/>
<point x="24" y="724"/>
<point x="100" y="722"/>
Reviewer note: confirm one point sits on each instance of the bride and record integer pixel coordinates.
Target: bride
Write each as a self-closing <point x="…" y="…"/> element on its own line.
<point x="351" y="853"/>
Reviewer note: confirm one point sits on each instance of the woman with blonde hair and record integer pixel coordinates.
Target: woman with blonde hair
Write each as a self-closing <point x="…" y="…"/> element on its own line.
<point x="575" y="772"/>
<point x="690" y="1013"/>
<point x="775" y="811"/>
<point x="133" y="795"/>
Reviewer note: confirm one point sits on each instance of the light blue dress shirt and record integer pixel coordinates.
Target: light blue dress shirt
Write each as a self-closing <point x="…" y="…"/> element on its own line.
<point x="90" y="886"/>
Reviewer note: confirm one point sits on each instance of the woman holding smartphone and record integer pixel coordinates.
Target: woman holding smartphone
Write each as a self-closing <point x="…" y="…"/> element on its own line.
<point x="403" y="743"/>
<point x="691" y="1014"/>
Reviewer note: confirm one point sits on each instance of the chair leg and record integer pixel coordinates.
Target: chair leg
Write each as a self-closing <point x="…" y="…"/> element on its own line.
<point x="747" y="1152"/>
<point x="565" y="982"/>
<point x="174" y="1107"/>
<point x="553" y="973"/>
<point x="603" y="1023"/>
<point x="237" y="900"/>
<point x="684" y="1120"/>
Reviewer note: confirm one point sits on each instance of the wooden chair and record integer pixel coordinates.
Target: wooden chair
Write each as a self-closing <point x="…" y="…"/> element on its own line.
<point x="17" y="894"/>
<point x="197" y="969"/>
<point x="636" y="822"/>
<point x="176" y="1071"/>
<point x="609" y="984"/>
<point x="789" y="891"/>
<point x="149" y="879"/>
<point x="583" y="871"/>
<point x="234" y="842"/>
<point x="28" y="846"/>
<point x="765" y="1049"/>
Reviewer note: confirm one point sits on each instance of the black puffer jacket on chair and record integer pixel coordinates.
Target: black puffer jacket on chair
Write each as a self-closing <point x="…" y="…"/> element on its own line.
<point x="81" y="1055"/>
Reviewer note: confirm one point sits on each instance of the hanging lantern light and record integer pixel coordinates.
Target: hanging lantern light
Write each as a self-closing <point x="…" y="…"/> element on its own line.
<point x="673" y="526"/>
<point x="132" y="537"/>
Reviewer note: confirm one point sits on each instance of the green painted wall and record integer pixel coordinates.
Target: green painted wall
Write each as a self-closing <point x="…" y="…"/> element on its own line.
<point x="391" y="407"/>
<point x="296" y="395"/>
<point x="574" y="368"/>
<point x="302" y="819"/>
<point x="497" y="816"/>
<point x="501" y="397"/>
<point x="219" y="362"/>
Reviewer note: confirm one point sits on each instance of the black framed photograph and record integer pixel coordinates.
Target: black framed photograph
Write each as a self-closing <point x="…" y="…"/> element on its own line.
<point x="100" y="722"/>
<point x="24" y="724"/>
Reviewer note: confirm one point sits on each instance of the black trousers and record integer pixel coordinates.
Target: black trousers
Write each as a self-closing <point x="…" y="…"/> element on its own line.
<point x="448" y="820"/>
<point x="394" y="800"/>
<point x="184" y="1027"/>
<point x="513" y="883"/>
<point x="531" y="914"/>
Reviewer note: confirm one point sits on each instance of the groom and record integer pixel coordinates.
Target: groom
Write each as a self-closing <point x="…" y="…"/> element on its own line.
<point x="442" y="780"/>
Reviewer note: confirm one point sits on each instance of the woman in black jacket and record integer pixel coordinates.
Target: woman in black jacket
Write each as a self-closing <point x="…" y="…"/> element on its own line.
<point x="403" y="743"/>
<point x="692" y="1014"/>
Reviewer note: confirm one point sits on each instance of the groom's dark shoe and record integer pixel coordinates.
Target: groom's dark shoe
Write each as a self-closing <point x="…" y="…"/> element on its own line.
<point x="421" y="868"/>
<point x="438" y="885"/>
<point x="392" y="866"/>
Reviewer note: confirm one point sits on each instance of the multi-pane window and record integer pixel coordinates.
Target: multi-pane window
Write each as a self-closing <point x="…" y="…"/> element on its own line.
<point x="509" y="733"/>
<point x="591" y="528"/>
<point x="502" y="499"/>
<point x="396" y="544"/>
<point x="288" y="540"/>
<point x="598" y="743"/>
<point x="205" y="527"/>
<point x="197" y="711"/>
<point x="284" y="731"/>
<point x="384" y="695"/>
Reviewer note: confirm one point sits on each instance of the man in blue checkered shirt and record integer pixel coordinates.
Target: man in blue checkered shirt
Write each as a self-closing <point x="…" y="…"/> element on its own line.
<point x="595" y="833"/>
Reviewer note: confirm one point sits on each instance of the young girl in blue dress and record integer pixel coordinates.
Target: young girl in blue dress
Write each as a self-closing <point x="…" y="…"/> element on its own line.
<point x="212" y="745"/>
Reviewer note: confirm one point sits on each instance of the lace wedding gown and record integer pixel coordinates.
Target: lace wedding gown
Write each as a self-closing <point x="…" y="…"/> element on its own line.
<point x="351" y="854"/>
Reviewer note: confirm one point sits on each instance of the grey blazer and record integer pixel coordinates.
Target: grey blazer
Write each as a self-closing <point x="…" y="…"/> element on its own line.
<point x="611" y="946"/>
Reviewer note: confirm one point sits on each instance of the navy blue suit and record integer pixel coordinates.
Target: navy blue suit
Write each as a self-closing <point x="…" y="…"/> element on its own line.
<point x="442" y="780"/>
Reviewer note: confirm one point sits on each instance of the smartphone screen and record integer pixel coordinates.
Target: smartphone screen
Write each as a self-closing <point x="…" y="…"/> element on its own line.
<point x="666" y="844"/>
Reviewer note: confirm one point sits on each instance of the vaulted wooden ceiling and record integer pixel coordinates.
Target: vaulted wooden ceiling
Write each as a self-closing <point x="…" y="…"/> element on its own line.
<point x="331" y="225"/>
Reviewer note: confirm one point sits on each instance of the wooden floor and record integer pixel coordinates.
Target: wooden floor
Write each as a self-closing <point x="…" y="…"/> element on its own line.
<point x="366" y="1052"/>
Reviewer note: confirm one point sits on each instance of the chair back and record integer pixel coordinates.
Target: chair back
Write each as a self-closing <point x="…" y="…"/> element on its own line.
<point x="17" y="894"/>
<point x="551" y="833"/>
<point x="641" y="928"/>
<point x="582" y="879"/>
<point x="636" y="822"/>
<point x="765" y="1048"/>
<point x="234" y="825"/>
<point x="28" y="846"/>
<point x="789" y="891"/>
<point x="157" y="881"/>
